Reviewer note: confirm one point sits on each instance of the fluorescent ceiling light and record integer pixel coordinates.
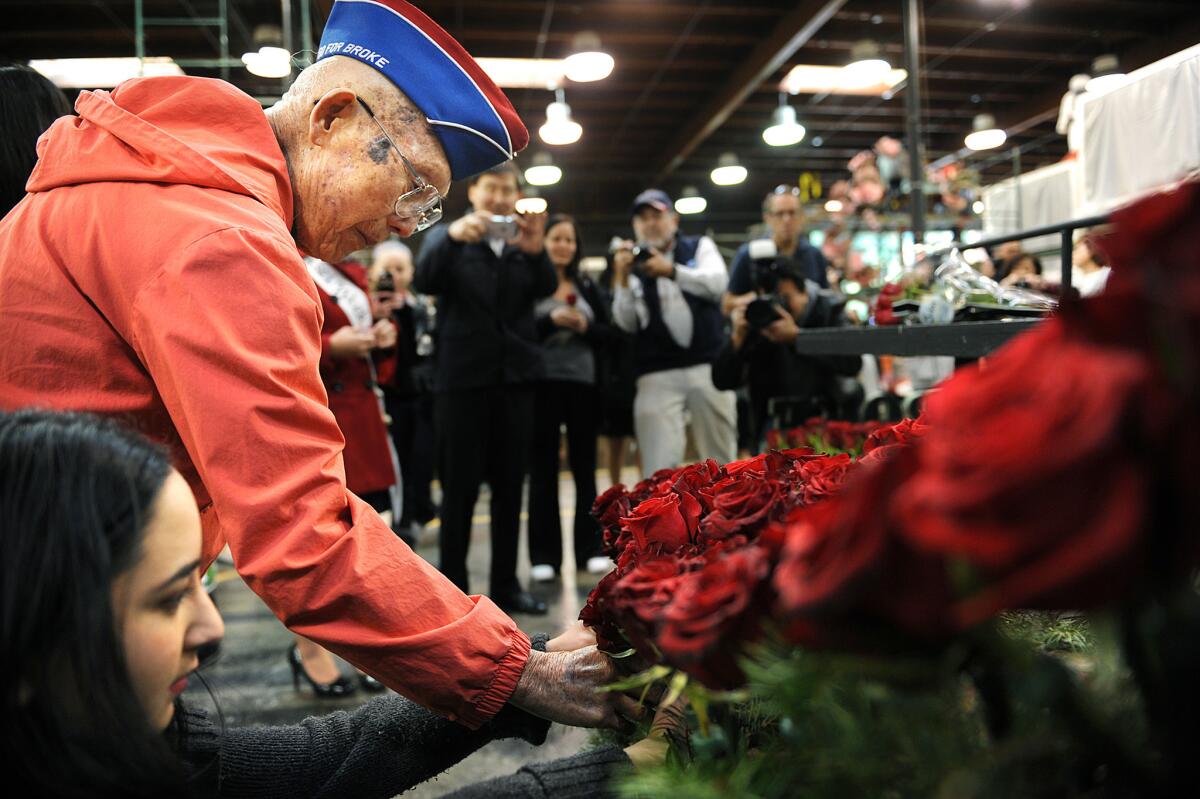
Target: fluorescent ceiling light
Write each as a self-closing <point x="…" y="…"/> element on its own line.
<point x="814" y="79"/>
<point x="524" y="73"/>
<point x="102" y="73"/>
<point x="690" y="201"/>
<point x="728" y="172"/>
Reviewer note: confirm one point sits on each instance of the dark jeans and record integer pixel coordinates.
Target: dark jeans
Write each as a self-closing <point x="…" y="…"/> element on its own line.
<point x="412" y="435"/>
<point x="482" y="434"/>
<point x="573" y="404"/>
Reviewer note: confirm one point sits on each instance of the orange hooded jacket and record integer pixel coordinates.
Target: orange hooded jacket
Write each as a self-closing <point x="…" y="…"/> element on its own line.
<point x="150" y="275"/>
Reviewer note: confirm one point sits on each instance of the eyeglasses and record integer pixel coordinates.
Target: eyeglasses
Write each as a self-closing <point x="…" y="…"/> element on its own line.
<point x="422" y="202"/>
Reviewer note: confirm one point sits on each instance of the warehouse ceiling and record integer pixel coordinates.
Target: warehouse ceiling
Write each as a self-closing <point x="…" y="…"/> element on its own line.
<point x="696" y="79"/>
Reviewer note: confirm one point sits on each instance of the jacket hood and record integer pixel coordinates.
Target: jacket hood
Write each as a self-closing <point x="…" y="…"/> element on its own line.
<point x="194" y="131"/>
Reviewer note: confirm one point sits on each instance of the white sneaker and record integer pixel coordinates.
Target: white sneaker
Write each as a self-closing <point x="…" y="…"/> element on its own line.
<point x="543" y="573"/>
<point x="601" y="564"/>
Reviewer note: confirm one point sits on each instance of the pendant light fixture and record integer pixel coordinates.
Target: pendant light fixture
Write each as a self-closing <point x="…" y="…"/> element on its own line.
<point x="984" y="134"/>
<point x="867" y="65"/>
<point x="784" y="130"/>
<point x="587" y="61"/>
<point x="690" y="201"/>
<point x="533" y="202"/>
<point x="270" y="60"/>
<point x="728" y="172"/>
<point x="542" y="171"/>
<point x="560" y="128"/>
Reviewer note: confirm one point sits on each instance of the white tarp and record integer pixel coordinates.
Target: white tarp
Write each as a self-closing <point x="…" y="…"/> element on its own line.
<point x="1141" y="135"/>
<point x="1044" y="196"/>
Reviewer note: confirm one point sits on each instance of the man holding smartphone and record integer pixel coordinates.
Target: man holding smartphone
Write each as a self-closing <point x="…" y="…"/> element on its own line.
<point x="487" y="270"/>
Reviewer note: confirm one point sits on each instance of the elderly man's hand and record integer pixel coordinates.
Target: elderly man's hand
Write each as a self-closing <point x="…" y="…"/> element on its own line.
<point x="564" y="687"/>
<point x="468" y="229"/>
<point x="532" y="232"/>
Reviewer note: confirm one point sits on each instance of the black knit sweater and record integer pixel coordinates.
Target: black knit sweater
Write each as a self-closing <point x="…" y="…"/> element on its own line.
<point x="381" y="749"/>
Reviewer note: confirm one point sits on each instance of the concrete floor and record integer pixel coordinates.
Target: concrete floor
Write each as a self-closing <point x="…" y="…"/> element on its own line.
<point x="253" y="683"/>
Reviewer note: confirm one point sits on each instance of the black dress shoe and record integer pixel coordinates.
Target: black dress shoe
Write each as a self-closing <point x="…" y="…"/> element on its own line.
<point x="521" y="602"/>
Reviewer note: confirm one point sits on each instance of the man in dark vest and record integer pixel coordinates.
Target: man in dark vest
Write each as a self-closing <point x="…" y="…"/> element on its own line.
<point x="668" y="294"/>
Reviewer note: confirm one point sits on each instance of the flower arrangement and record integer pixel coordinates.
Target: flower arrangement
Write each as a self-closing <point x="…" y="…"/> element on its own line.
<point x="1056" y="477"/>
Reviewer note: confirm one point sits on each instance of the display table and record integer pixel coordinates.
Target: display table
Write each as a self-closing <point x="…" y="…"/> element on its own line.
<point x="961" y="339"/>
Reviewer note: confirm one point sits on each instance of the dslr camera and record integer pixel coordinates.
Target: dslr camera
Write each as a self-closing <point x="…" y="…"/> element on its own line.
<point x="767" y="268"/>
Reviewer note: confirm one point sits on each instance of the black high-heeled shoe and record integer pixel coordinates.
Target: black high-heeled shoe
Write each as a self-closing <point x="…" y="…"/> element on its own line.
<point x="371" y="684"/>
<point x="332" y="690"/>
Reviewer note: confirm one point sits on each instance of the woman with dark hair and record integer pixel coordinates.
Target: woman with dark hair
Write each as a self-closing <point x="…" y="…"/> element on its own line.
<point x="1089" y="265"/>
<point x="572" y="323"/>
<point x="28" y="104"/>
<point x="102" y="616"/>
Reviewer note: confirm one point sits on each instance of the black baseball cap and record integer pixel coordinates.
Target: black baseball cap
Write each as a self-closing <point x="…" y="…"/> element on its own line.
<point x="655" y="198"/>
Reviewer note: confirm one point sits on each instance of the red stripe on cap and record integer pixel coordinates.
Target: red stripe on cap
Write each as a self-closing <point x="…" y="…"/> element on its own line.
<point x="499" y="101"/>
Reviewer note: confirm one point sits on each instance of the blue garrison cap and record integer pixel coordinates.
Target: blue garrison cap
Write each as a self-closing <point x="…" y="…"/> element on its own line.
<point x="475" y="123"/>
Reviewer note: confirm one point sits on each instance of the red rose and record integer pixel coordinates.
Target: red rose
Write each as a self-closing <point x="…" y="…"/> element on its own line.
<point x="714" y="612"/>
<point x="608" y="510"/>
<point x="740" y="504"/>
<point x="659" y="523"/>
<point x="639" y="596"/>
<point x="817" y="478"/>
<point x="898" y="433"/>
<point x="1029" y="471"/>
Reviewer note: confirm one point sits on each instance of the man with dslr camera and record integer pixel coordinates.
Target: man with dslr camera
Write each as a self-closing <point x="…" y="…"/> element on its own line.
<point x="487" y="270"/>
<point x="783" y="214"/>
<point x="761" y="349"/>
<point x="667" y="293"/>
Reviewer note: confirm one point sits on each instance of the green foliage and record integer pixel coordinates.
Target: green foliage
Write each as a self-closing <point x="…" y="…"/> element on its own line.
<point x="1036" y="706"/>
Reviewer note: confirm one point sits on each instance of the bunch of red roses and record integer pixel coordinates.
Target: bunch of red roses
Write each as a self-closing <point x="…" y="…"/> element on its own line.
<point x="825" y="435"/>
<point x="695" y="550"/>
<point x="1059" y="474"/>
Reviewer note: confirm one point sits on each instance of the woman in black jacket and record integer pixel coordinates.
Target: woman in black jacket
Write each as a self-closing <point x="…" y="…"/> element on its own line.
<point x="572" y="325"/>
<point x="102" y="616"/>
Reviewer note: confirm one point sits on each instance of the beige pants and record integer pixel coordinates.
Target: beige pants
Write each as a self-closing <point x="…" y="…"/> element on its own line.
<point x="659" y="410"/>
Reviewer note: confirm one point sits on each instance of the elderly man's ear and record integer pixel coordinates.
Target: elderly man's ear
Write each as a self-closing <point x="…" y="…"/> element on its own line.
<point x="334" y="105"/>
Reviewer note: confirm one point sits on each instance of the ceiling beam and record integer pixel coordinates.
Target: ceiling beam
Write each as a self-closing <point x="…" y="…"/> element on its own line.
<point x="792" y="33"/>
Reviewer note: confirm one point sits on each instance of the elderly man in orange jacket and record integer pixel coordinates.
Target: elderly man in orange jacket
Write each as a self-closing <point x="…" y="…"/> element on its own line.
<point x="152" y="274"/>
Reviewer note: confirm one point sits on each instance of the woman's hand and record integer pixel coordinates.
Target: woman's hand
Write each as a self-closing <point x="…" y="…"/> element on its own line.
<point x="669" y="725"/>
<point x="570" y="319"/>
<point x="346" y="342"/>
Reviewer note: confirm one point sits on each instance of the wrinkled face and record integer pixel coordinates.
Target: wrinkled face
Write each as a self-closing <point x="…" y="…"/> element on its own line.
<point x="655" y="227"/>
<point x="561" y="244"/>
<point x="784" y="217"/>
<point x="494" y="194"/>
<point x="163" y="614"/>
<point x="348" y="179"/>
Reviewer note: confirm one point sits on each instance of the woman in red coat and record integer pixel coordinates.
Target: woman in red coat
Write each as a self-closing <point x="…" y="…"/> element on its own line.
<point x="351" y="340"/>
